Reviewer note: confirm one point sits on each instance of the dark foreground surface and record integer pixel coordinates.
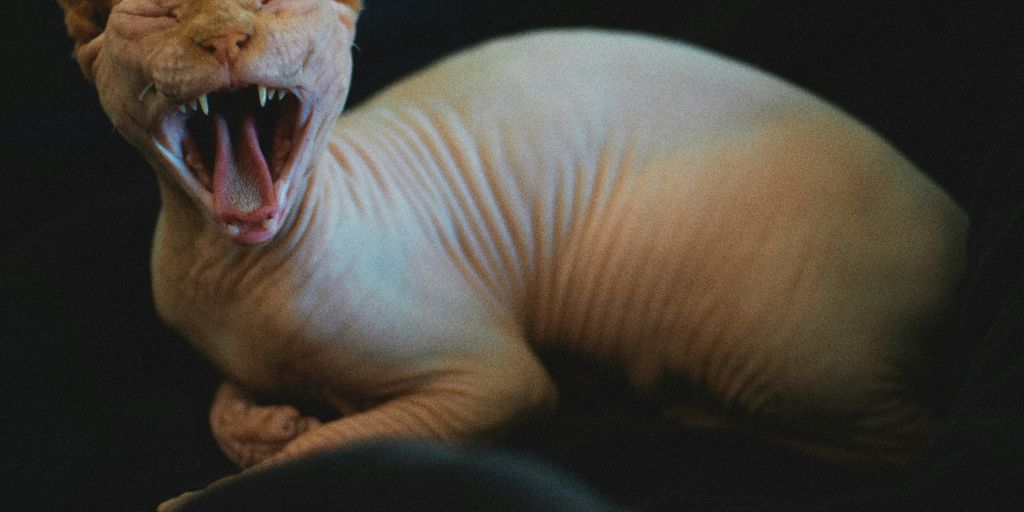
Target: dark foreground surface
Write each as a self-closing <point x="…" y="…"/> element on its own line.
<point x="104" y="409"/>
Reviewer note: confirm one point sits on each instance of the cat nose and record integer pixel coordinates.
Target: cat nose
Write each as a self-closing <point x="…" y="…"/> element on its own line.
<point x="225" y="47"/>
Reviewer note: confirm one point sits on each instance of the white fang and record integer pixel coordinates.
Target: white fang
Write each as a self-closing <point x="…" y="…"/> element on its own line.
<point x="146" y="90"/>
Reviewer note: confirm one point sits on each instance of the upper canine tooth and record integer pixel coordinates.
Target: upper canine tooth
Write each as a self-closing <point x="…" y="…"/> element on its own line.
<point x="261" y="91"/>
<point x="204" y="103"/>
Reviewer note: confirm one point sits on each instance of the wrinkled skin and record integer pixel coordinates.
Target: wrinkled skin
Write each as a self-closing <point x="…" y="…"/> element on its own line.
<point x="640" y="202"/>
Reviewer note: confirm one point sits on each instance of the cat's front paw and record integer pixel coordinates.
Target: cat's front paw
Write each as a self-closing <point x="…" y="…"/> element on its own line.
<point x="249" y="433"/>
<point x="172" y="504"/>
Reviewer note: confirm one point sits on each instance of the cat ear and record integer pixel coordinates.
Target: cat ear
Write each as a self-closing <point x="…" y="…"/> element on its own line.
<point x="355" y="5"/>
<point x="86" y="20"/>
<point x="348" y="11"/>
<point x="86" y="55"/>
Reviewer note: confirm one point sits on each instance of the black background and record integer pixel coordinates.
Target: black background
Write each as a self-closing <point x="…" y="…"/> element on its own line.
<point x="104" y="408"/>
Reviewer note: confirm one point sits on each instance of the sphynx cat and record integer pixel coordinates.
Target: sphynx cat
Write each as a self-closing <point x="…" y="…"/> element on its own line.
<point x="637" y="201"/>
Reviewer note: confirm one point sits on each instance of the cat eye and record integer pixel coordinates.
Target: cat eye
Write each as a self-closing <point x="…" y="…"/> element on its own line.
<point x="154" y="10"/>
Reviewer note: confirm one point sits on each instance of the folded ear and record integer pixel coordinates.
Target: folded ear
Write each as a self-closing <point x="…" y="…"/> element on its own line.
<point x="355" y="5"/>
<point x="348" y="11"/>
<point x="86" y="20"/>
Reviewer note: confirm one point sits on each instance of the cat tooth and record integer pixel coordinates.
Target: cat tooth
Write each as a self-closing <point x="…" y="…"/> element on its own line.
<point x="204" y="103"/>
<point x="261" y="91"/>
<point x="194" y="105"/>
<point x="146" y="90"/>
<point x="269" y="225"/>
<point x="234" y="230"/>
<point x="281" y="93"/>
<point x="183" y="109"/>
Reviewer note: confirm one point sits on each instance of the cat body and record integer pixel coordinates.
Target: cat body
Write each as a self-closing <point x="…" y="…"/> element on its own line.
<point x="640" y="202"/>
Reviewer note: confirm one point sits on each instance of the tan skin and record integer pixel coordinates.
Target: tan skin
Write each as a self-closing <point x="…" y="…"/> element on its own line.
<point x="637" y="201"/>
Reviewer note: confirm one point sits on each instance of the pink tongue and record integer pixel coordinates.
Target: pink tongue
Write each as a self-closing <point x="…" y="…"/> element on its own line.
<point x="243" y="191"/>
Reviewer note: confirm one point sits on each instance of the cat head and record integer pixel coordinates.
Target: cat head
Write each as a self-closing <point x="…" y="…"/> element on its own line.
<point x="230" y="101"/>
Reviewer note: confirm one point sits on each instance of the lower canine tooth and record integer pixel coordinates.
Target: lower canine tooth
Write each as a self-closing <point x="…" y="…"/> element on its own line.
<point x="234" y="230"/>
<point x="145" y="90"/>
<point x="269" y="225"/>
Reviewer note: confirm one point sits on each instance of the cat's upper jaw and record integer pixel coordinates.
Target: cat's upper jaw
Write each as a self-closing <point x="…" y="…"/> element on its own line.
<point x="229" y="100"/>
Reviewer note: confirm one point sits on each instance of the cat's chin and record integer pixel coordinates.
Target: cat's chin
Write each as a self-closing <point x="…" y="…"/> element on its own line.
<point x="234" y="151"/>
<point x="256" y="232"/>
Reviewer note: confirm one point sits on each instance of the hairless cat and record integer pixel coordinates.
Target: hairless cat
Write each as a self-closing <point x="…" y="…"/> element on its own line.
<point x="638" y="201"/>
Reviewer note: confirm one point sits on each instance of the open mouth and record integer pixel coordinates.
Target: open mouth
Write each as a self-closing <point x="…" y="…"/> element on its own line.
<point x="236" y="148"/>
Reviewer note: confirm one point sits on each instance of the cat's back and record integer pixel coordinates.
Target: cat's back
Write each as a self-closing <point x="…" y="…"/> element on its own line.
<point x="594" y="80"/>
